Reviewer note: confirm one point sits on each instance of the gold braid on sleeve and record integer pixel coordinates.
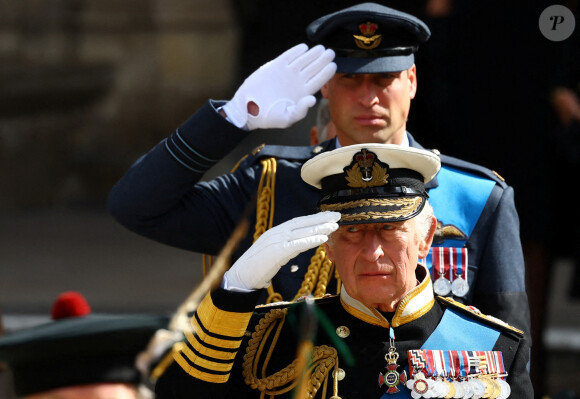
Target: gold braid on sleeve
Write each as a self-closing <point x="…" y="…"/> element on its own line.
<point x="264" y="205"/>
<point x="320" y="269"/>
<point x="317" y="275"/>
<point x="265" y="201"/>
<point x="265" y="210"/>
<point x="315" y="373"/>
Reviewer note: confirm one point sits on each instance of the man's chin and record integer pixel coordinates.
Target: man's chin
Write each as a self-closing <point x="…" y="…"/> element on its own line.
<point x="373" y="136"/>
<point x="375" y="295"/>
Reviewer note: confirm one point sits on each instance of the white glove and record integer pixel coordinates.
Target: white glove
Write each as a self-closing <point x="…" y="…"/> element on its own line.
<point x="256" y="267"/>
<point x="283" y="88"/>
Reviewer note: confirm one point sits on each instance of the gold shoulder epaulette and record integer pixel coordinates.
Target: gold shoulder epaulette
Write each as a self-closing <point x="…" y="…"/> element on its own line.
<point x="254" y="152"/>
<point x="258" y="149"/>
<point x="477" y="314"/>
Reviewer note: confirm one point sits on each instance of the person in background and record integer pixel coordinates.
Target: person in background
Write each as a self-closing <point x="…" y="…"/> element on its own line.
<point x="324" y="128"/>
<point x="79" y="354"/>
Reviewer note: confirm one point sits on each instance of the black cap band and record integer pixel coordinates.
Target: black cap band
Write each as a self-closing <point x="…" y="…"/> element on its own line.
<point x="385" y="52"/>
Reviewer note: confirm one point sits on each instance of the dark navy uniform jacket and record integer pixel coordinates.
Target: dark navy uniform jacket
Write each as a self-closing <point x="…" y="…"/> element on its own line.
<point x="162" y="197"/>
<point x="208" y="366"/>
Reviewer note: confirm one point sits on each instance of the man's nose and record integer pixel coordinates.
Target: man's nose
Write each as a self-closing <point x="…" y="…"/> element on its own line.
<point x="372" y="246"/>
<point x="368" y="93"/>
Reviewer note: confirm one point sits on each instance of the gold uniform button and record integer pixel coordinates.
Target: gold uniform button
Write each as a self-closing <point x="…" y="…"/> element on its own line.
<point x="343" y="331"/>
<point x="294" y="268"/>
<point x="317" y="149"/>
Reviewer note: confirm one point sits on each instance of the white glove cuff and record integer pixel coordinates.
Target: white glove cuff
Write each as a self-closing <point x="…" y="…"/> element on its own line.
<point x="235" y="116"/>
<point x="232" y="286"/>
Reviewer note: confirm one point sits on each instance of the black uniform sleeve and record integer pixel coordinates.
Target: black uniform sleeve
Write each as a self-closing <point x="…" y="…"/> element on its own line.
<point x="500" y="284"/>
<point x="204" y="360"/>
<point x="161" y="196"/>
<point x="516" y="356"/>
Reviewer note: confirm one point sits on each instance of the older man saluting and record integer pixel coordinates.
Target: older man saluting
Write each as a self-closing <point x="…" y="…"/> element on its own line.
<point x="384" y="335"/>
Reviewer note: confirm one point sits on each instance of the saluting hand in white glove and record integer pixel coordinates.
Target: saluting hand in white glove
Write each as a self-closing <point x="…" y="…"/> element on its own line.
<point x="283" y="89"/>
<point x="275" y="247"/>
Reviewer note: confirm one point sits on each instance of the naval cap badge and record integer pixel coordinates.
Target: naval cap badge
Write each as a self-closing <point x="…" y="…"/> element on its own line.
<point x="366" y="170"/>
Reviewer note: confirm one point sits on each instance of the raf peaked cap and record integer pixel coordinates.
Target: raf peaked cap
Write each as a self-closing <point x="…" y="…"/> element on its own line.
<point x="77" y="348"/>
<point x="372" y="183"/>
<point x="370" y="38"/>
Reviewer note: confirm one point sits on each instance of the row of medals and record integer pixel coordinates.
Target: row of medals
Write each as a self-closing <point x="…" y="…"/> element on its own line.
<point x="472" y="387"/>
<point x="443" y="286"/>
<point x="479" y="386"/>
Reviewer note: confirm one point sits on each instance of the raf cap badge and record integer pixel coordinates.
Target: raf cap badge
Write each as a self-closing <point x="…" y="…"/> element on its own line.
<point x="368" y="40"/>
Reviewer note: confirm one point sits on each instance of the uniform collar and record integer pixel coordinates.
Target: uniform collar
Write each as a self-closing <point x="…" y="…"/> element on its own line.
<point x="413" y="143"/>
<point x="414" y="305"/>
<point x="404" y="143"/>
<point x="328" y="145"/>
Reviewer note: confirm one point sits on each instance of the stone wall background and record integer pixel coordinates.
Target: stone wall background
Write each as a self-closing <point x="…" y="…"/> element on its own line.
<point x="86" y="86"/>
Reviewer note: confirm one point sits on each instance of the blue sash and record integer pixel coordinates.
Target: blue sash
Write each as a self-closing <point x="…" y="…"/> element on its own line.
<point x="459" y="199"/>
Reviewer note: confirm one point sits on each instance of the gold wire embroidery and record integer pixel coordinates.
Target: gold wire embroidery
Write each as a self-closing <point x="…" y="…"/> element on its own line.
<point x="408" y="208"/>
<point x="407" y="203"/>
<point x="318" y="275"/>
<point x="316" y="372"/>
<point x="320" y="268"/>
<point x="355" y="178"/>
<point x="369" y="41"/>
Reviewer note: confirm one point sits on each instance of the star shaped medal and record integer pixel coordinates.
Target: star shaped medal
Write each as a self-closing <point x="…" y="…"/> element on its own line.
<point x="391" y="377"/>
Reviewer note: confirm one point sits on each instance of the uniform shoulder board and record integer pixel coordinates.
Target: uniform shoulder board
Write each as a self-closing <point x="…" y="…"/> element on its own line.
<point x="285" y="304"/>
<point x="291" y="153"/>
<point x="274" y="305"/>
<point x="475" y="169"/>
<point x="475" y="313"/>
<point x="250" y="158"/>
<point x="256" y="150"/>
<point x="251" y="154"/>
<point x="326" y="298"/>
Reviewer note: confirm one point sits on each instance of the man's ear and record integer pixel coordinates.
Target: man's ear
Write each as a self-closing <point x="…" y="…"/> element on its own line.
<point x="314" y="135"/>
<point x="425" y="243"/>
<point x="324" y="90"/>
<point x="412" y="76"/>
